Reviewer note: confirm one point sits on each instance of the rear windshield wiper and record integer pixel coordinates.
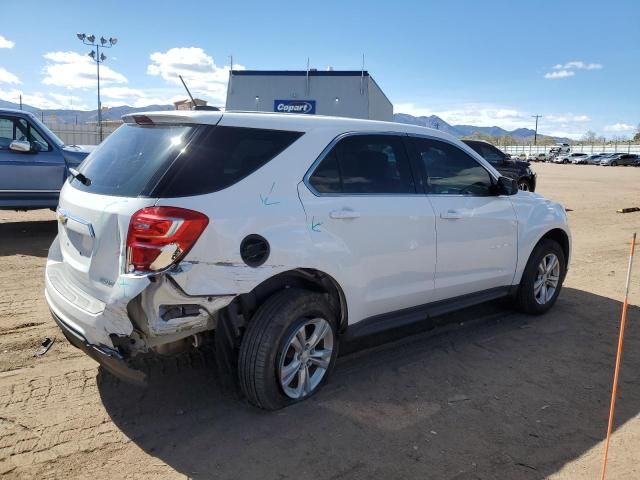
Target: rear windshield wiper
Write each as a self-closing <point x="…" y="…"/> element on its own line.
<point x="80" y="177"/>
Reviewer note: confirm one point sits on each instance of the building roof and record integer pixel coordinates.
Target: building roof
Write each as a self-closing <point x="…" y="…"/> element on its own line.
<point x="301" y="73"/>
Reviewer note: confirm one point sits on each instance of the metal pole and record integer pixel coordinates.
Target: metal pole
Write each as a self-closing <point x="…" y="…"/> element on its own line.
<point x="616" y="371"/>
<point x="535" y="135"/>
<point x="99" y="103"/>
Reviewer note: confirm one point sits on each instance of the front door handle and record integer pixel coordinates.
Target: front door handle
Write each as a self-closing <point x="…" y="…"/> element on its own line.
<point x="451" y="215"/>
<point x="344" y="214"/>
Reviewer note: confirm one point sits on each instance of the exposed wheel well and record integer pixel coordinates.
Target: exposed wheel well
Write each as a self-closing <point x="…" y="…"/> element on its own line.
<point x="559" y="236"/>
<point x="309" y="279"/>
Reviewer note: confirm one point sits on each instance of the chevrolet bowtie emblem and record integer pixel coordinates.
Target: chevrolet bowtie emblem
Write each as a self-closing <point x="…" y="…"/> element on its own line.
<point x="62" y="219"/>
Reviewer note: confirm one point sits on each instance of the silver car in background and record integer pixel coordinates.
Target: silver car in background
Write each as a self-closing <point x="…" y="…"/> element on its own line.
<point x="569" y="158"/>
<point x="578" y="158"/>
<point x="595" y="158"/>
<point x="626" y="159"/>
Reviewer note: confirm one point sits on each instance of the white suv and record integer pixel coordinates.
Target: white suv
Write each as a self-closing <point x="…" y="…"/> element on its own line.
<point x="274" y="236"/>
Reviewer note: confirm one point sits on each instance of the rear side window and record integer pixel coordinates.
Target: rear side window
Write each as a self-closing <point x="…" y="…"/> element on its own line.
<point x="365" y="164"/>
<point x="218" y="157"/>
<point x="178" y="160"/>
<point x="450" y="171"/>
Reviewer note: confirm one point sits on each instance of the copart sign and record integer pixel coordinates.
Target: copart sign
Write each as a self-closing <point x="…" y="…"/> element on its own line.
<point x="295" y="106"/>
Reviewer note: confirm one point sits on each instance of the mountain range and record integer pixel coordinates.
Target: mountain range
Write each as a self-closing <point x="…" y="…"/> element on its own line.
<point x="67" y="116"/>
<point x="433" y="121"/>
<point x="83" y="116"/>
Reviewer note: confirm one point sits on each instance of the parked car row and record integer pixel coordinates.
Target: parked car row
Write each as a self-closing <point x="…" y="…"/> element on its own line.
<point x="581" y="158"/>
<point x="607" y="159"/>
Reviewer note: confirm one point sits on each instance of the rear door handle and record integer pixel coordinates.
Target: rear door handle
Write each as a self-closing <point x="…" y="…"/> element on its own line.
<point x="344" y="214"/>
<point x="451" y="215"/>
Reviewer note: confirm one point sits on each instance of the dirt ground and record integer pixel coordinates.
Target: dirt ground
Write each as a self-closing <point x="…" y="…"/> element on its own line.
<point x="495" y="395"/>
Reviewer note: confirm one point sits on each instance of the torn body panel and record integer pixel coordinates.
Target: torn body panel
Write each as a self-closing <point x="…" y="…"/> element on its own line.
<point x="168" y="310"/>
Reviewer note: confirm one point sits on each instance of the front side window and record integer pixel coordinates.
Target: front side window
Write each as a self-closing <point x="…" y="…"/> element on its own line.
<point x="450" y="171"/>
<point x="19" y="129"/>
<point x="38" y="141"/>
<point x="365" y="164"/>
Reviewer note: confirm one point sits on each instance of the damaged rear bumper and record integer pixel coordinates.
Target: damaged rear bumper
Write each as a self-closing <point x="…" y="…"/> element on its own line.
<point x="109" y="358"/>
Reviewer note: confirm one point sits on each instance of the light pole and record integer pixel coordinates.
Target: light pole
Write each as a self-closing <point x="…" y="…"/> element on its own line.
<point x="97" y="57"/>
<point x="535" y="136"/>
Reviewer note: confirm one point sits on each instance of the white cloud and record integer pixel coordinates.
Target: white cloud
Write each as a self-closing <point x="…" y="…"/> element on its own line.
<point x="619" y="127"/>
<point x="7" y="77"/>
<point x="72" y="70"/>
<point x="199" y="70"/>
<point x="567" y="117"/>
<point x="559" y="74"/>
<point x="578" y="66"/>
<point x="41" y="100"/>
<point x="5" y="43"/>
<point x="136" y="97"/>
<point x="481" y="115"/>
<point x="488" y="115"/>
<point x="566" y="70"/>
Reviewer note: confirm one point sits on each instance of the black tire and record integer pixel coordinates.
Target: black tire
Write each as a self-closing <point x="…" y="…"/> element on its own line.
<point x="273" y="324"/>
<point x="525" y="300"/>
<point x="524" y="185"/>
<point x="614" y="164"/>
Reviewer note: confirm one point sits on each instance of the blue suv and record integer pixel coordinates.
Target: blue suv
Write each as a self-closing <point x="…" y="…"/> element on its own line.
<point x="34" y="162"/>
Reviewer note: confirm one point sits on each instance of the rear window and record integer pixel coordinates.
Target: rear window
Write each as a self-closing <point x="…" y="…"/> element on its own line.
<point x="179" y="160"/>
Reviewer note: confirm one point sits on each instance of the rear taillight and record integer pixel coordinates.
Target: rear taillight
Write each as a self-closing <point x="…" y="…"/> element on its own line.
<point x="161" y="236"/>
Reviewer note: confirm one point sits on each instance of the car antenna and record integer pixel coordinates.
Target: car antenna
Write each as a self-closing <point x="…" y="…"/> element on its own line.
<point x="193" y="102"/>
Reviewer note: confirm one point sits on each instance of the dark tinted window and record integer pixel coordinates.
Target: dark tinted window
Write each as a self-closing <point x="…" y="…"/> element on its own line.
<point x="132" y="158"/>
<point x="450" y="170"/>
<point x="326" y="178"/>
<point x="490" y="153"/>
<point x="174" y="161"/>
<point x="218" y="157"/>
<point x="374" y="164"/>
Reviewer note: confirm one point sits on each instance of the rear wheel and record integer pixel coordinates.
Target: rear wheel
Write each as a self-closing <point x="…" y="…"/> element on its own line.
<point x="289" y="349"/>
<point x="542" y="278"/>
<point x="524" y="185"/>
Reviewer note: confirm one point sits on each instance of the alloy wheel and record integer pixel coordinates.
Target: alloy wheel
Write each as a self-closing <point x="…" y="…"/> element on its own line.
<point x="548" y="279"/>
<point x="305" y="358"/>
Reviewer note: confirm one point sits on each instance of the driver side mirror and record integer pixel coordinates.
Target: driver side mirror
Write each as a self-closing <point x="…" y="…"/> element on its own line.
<point x="506" y="186"/>
<point x="22" y="146"/>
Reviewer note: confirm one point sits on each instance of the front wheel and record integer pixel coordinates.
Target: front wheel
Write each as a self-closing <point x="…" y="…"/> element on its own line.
<point x="288" y="350"/>
<point x="542" y="278"/>
<point x="614" y="164"/>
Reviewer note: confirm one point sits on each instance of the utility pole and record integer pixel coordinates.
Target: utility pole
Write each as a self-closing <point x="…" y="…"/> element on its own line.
<point x="97" y="57"/>
<point x="535" y="136"/>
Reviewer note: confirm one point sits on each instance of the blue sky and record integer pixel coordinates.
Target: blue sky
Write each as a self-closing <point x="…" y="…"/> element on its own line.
<point x="490" y="62"/>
